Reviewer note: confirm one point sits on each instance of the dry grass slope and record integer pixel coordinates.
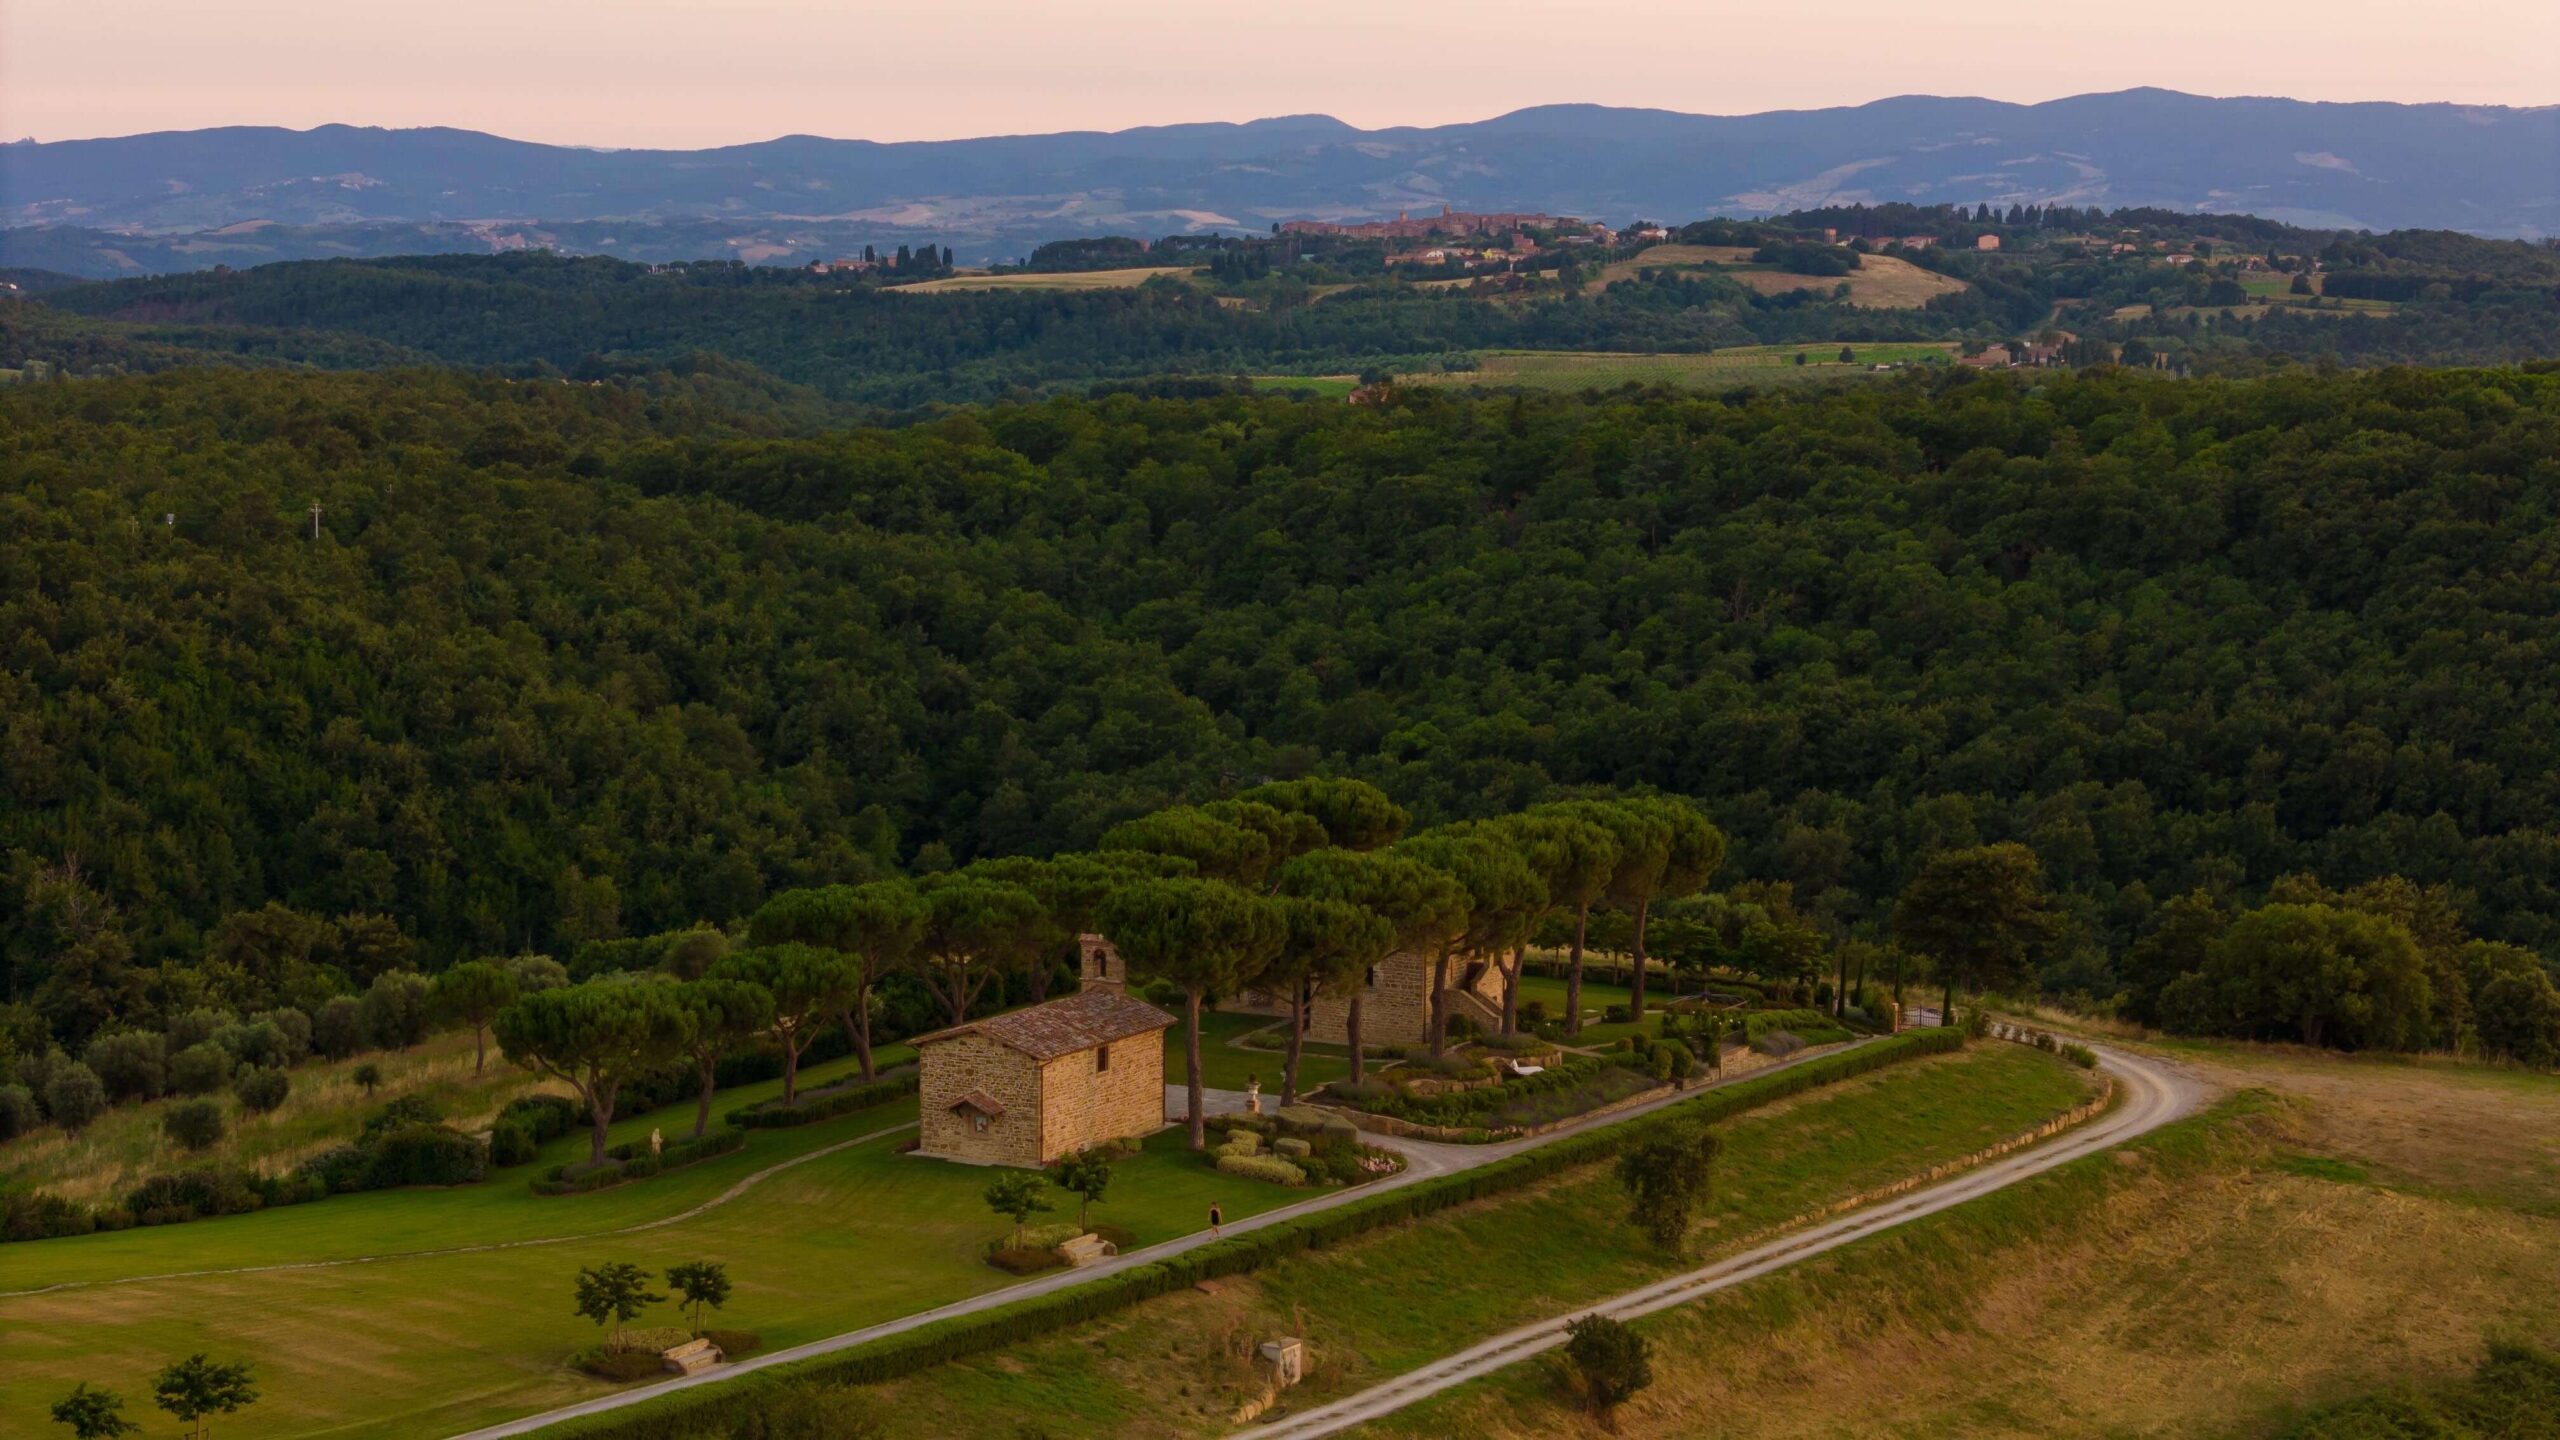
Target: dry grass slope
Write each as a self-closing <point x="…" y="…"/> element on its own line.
<point x="2340" y="1230"/>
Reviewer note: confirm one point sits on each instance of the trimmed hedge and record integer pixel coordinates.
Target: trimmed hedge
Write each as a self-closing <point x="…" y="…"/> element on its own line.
<point x="639" y="1164"/>
<point x="825" y="1104"/>
<point x="1268" y="1168"/>
<point x="710" y="1410"/>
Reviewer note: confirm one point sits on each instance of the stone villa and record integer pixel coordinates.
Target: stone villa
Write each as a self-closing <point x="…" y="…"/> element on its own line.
<point x="1395" y="1002"/>
<point x="1028" y="1086"/>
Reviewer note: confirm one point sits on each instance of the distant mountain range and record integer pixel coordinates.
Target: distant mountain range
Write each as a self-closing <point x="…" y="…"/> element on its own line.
<point x="185" y="199"/>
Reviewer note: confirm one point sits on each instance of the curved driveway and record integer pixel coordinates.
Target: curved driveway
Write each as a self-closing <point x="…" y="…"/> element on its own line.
<point x="2154" y="1095"/>
<point x="1423" y="1160"/>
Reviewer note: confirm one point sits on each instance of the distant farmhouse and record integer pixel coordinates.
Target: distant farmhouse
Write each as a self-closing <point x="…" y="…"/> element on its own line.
<point x="1452" y="223"/>
<point x="1028" y="1086"/>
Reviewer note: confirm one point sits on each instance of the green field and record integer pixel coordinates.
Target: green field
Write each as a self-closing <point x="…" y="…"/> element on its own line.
<point x="1389" y="1302"/>
<point x="1048" y="280"/>
<point x="1331" y="387"/>
<point x="1741" y="365"/>
<point x="415" y="1343"/>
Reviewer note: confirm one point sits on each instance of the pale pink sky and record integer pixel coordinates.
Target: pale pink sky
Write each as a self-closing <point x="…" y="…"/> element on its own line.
<point x="688" y="73"/>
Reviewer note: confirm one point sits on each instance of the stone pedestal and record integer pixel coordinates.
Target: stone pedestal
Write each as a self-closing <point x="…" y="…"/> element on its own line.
<point x="1288" y="1358"/>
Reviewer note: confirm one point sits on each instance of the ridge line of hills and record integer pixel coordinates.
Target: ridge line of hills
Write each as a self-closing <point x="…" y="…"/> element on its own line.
<point x="2330" y="165"/>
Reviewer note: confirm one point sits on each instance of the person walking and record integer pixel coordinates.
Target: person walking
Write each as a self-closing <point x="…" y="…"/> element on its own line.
<point x="1217" y="1218"/>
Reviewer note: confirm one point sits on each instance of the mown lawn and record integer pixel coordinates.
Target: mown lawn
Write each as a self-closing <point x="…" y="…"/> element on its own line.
<point x="1224" y="1066"/>
<point x="431" y="1344"/>
<point x="1387" y="1303"/>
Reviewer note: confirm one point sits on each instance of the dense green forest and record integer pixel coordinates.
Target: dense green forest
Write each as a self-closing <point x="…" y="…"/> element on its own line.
<point x="570" y="661"/>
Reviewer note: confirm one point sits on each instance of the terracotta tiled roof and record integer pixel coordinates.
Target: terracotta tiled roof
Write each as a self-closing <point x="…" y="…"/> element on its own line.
<point x="982" y="1102"/>
<point x="1062" y="1027"/>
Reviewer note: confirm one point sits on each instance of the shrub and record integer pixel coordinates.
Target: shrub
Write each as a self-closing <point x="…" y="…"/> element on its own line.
<point x="395" y="1009"/>
<point x="42" y="1217"/>
<point x="1262" y="1167"/>
<point x="337" y="1029"/>
<point x="407" y="1110"/>
<point x="1533" y="1013"/>
<point x="194" y="1027"/>
<point x="425" y="1155"/>
<point x="194" y="1124"/>
<point x="2081" y="1055"/>
<point x="368" y="1075"/>
<point x="295" y="1027"/>
<point x="73" y="1096"/>
<point x="18" y="1112"/>
<point x="262" y="1089"/>
<point x="734" y="1343"/>
<point x="255" y="1042"/>
<point x="1616" y="1015"/>
<point x="200" y="1069"/>
<point x="1368" y="1095"/>
<point x="535" y="972"/>
<point x="1761" y="1022"/>
<point x="545" y="1117"/>
<point x="338" y="1169"/>
<point x="1608" y="1361"/>
<point x="1778" y="1042"/>
<point x="511" y="1143"/>
<point x="132" y="1065"/>
<point x="622" y="1366"/>
<point x="188" y="1194"/>
<point x="1023" y="1259"/>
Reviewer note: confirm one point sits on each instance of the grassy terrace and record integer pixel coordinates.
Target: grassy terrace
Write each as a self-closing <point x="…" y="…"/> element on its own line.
<point x="424" y="1344"/>
<point x="1384" y="1304"/>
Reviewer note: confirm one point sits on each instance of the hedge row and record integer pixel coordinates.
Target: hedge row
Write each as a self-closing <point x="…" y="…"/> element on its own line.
<point x="825" y="1104"/>
<point x="709" y="1410"/>
<point x="638" y="1164"/>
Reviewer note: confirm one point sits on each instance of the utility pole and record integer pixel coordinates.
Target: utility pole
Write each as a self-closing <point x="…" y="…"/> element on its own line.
<point x="315" y="519"/>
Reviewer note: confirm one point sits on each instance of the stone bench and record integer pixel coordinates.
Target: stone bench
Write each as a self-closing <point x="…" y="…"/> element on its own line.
<point x="692" y="1357"/>
<point x="1086" y="1249"/>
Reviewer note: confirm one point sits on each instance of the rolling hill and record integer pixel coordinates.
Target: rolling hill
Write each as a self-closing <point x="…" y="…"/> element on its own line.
<point x="192" y="199"/>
